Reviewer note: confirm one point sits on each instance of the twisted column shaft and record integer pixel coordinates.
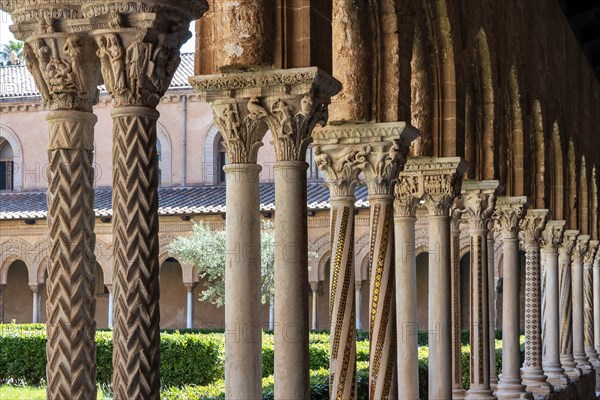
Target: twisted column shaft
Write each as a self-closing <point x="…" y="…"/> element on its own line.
<point x="382" y="321"/>
<point x="588" y="287"/>
<point x="491" y="279"/>
<point x="565" y="310"/>
<point x="71" y="348"/>
<point x="579" y="355"/>
<point x="458" y="392"/>
<point x="136" y="353"/>
<point x="342" y="363"/>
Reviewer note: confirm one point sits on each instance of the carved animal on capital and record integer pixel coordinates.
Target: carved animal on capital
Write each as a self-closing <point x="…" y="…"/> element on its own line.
<point x="33" y="66"/>
<point x="256" y="110"/>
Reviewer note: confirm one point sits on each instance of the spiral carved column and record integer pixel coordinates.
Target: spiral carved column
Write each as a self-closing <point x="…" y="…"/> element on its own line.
<point x="588" y="289"/>
<point x="533" y="374"/>
<point x="138" y="61"/>
<point x="565" y="307"/>
<point x="579" y="252"/>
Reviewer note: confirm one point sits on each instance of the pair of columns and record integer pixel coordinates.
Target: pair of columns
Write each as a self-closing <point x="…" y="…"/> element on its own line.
<point x="289" y="103"/>
<point x="70" y="49"/>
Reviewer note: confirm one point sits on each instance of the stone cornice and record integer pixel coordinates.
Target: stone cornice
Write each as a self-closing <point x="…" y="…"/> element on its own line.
<point x="479" y="198"/>
<point x="508" y="213"/>
<point x="552" y="235"/>
<point x="531" y="227"/>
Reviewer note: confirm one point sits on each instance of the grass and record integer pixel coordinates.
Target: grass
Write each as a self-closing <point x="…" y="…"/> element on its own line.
<point x="9" y="392"/>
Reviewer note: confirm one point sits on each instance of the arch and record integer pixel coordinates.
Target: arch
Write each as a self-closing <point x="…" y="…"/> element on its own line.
<point x="362" y="245"/>
<point x="573" y="222"/>
<point x="173" y="301"/>
<point x="12" y="139"/>
<point x="165" y="160"/>
<point x="421" y="102"/>
<point x="539" y="170"/>
<point x="558" y="190"/>
<point x="584" y="223"/>
<point x="320" y="247"/>
<point x="211" y="143"/>
<point x="516" y="177"/>
<point x="6" y="264"/>
<point x="42" y="268"/>
<point x="323" y="260"/>
<point x="480" y="140"/>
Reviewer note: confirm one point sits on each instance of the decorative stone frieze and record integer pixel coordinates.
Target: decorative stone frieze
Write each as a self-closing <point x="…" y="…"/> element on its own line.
<point x="531" y="228"/>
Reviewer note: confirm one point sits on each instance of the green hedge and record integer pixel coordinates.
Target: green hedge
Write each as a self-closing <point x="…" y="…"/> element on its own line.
<point x="192" y="363"/>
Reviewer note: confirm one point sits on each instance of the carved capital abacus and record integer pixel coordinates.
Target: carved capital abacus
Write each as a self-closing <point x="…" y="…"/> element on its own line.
<point x="552" y="235"/>
<point x="580" y="248"/>
<point x="434" y="181"/>
<point x="531" y="227"/>
<point x="479" y="199"/>
<point x="508" y="213"/>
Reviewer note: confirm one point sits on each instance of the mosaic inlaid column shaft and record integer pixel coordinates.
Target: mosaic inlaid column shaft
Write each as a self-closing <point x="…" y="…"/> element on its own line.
<point x="458" y="392"/>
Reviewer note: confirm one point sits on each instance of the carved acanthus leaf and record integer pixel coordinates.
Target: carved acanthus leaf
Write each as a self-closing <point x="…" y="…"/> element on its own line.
<point x="588" y="259"/>
<point x="508" y="214"/>
<point x="580" y="248"/>
<point x="531" y="227"/>
<point x="552" y="235"/>
<point x="457" y="210"/>
<point x="342" y="166"/>
<point x="568" y="242"/>
<point x="479" y="208"/>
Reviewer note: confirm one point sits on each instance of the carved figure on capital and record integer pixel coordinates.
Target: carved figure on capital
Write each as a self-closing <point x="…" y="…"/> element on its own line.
<point x="552" y="235"/>
<point x="342" y="166"/>
<point x="406" y="195"/>
<point x="580" y="249"/>
<point x="508" y="214"/>
<point x="531" y="227"/>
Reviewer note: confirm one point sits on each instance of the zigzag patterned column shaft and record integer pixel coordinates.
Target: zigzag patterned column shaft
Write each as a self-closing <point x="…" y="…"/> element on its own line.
<point x="342" y="384"/>
<point x="136" y="353"/>
<point x="382" y="321"/>
<point x="71" y="349"/>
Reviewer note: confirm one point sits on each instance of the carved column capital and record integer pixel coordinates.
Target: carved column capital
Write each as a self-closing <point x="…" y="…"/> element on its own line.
<point x="580" y="248"/>
<point x="508" y="213"/>
<point x="406" y="197"/>
<point x="552" y="235"/>
<point x="531" y="227"/>
<point x="315" y="286"/>
<point x="36" y="287"/>
<point x="588" y="259"/>
<point x="457" y="210"/>
<point x="57" y="52"/>
<point x="189" y="286"/>
<point x="434" y="181"/>
<point x="138" y="45"/>
<point x="390" y="144"/>
<point x="568" y="242"/>
<point x="479" y="199"/>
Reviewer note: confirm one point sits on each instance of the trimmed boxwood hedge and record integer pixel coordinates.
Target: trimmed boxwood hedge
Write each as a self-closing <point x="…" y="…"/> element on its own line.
<point x="192" y="361"/>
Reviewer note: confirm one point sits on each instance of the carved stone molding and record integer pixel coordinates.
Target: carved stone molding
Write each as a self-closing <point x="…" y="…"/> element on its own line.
<point x="531" y="227"/>
<point x="508" y="213"/>
<point x="552" y="235"/>
<point x="580" y="248"/>
<point x="479" y="199"/>
<point x="434" y="181"/>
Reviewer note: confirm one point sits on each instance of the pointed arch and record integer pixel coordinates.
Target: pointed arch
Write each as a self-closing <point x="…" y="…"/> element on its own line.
<point x="165" y="161"/>
<point x="558" y="190"/>
<point x="17" y="156"/>
<point x="516" y="173"/>
<point x="573" y="222"/>
<point x="539" y="170"/>
<point x="584" y="223"/>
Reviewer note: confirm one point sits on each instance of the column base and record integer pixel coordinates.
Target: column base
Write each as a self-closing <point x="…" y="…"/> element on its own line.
<point x="459" y="393"/>
<point x="571" y="370"/>
<point x="512" y="389"/>
<point x="556" y="376"/>
<point x="480" y="394"/>
<point x="592" y="356"/>
<point x="536" y="382"/>
<point x="583" y="363"/>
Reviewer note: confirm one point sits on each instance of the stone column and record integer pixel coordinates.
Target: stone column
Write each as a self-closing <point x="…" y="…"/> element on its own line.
<point x="139" y="51"/>
<point x="358" y="300"/>
<point x="110" y="305"/>
<point x="508" y="214"/>
<point x="531" y="228"/>
<point x="189" y="321"/>
<point x="458" y="392"/>
<point x="479" y="202"/>
<point x="552" y="236"/>
<point x="389" y="148"/>
<point x="2" y="287"/>
<point x="314" y="287"/>
<point x="596" y="278"/>
<point x="588" y="288"/>
<point x="579" y="252"/>
<point x="438" y="182"/>
<point x="342" y="159"/>
<point x="60" y="58"/>
<point x="405" y="204"/>
<point x="492" y="304"/>
<point x="566" y="304"/>
<point x="35" y="289"/>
